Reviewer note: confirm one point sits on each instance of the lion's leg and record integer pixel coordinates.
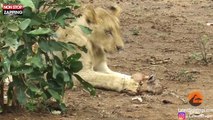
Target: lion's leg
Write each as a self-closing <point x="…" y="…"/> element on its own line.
<point x="109" y="81"/>
<point x="103" y="67"/>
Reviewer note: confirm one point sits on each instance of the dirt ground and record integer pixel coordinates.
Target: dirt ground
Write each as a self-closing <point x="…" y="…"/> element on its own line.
<point x="160" y="37"/>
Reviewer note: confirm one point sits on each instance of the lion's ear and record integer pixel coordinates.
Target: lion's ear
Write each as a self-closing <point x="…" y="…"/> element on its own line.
<point x="90" y="15"/>
<point x="115" y="10"/>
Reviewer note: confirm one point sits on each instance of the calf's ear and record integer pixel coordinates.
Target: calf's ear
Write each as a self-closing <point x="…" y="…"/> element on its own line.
<point x="115" y="10"/>
<point x="90" y="15"/>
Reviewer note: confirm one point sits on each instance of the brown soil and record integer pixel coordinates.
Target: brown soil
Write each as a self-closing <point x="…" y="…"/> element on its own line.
<point x="160" y="37"/>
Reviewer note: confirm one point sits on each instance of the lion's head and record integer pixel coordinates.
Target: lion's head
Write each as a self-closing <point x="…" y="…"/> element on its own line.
<point x="105" y="27"/>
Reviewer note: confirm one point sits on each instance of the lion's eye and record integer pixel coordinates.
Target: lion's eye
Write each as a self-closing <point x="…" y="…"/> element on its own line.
<point x="108" y="32"/>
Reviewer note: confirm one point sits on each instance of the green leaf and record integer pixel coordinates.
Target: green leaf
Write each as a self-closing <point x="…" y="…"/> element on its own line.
<point x="59" y="71"/>
<point x="27" y="13"/>
<point x="20" y="54"/>
<point x="67" y="46"/>
<point x="54" y="94"/>
<point x="56" y="70"/>
<point x="6" y="65"/>
<point x="22" y="70"/>
<point x="11" y="40"/>
<point x="57" y="61"/>
<point x="74" y="57"/>
<point x="37" y="61"/>
<point x="34" y="88"/>
<point x="44" y="45"/>
<point x="61" y="21"/>
<point x="62" y="12"/>
<point x="76" y="66"/>
<point x="38" y="3"/>
<point x="85" y="29"/>
<point x="62" y="107"/>
<point x="87" y="86"/>
<point x="13" y="27"/>
<point x="66" y="76"/>
<point x="21" y="96"/>
<point x="55" y="46"/>
<point x="70" y="83"/>
<point x="61" y="15"/>
<point x="57" y="83"/>
<point x="52" y="45"/>
<point x="31" y="106"/>
<point x="28" y="3"/>
<point x="24" y="24"/>
<point x="36" y="20"/>
<point x="51" y="15"/>
<point x="36" y="75"/>
<point x="40" y="31"/>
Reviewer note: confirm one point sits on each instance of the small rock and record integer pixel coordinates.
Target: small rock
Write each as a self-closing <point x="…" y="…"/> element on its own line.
<point x="56" y="112"/>
<point x="167" y="102"/>
<point x="137" y="99"/>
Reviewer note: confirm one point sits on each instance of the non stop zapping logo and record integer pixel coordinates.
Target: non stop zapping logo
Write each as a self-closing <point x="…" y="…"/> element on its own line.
<point x="12" y="9"/>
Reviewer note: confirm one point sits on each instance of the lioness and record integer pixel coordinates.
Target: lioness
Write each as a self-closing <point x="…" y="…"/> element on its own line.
<point x="105" y="38"/>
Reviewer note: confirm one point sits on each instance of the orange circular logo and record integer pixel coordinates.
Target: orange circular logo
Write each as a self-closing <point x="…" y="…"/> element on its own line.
<point x="195" y="98"/>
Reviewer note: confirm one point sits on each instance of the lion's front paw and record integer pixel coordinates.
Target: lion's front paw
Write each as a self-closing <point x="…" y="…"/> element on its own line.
<point x="131" y="86"/>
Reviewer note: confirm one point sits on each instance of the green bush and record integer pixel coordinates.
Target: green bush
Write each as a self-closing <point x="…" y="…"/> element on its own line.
<point x="28" y="54"/>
